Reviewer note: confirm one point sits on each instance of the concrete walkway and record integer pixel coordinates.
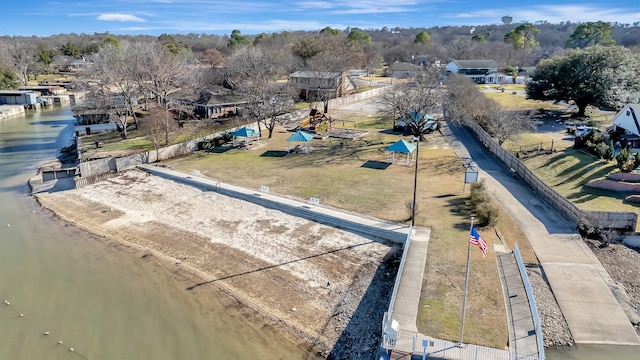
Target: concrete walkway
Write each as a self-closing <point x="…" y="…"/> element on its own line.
<point x="522" y="331"/>
<point x="407" y="301"/>
<point x="578" y="280"/>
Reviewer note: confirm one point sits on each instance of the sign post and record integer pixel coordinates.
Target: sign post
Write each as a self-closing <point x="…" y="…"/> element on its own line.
<point x="470" y="175"/>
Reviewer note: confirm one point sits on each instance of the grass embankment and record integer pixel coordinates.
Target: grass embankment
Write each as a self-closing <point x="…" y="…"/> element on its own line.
<point x="352" y="175"/>
<point x="568" y="172"/>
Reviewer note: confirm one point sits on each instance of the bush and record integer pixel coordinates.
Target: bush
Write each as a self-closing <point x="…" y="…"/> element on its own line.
<point x="485" y="212"/>
<point x="478" y="193"/>
<point x="623" y="160"/>
<point x="205" y="145"/>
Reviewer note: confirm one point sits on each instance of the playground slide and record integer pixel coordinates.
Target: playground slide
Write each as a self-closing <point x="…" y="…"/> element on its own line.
<point x="305" y="123"/>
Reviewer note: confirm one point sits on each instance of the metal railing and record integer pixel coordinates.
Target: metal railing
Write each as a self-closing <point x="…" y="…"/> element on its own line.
<point x="431" y="348"/>
<point x="532" y="301"/>
<point x="388" y="333"/>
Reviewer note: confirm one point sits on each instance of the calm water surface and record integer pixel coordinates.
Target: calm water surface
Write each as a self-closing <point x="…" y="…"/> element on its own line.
<point x="103" y="302"/>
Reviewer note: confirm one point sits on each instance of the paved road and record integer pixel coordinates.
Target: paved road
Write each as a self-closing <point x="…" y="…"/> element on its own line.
<point x="578" y="280"/>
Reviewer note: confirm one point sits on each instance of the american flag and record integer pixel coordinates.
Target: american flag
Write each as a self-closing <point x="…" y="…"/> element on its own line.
<point x="477" y="240"/>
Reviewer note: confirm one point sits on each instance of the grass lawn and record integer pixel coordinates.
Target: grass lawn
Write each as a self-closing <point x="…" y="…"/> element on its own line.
<point x="520" y="102"/>
<point x="568" y="171"/>
<point x="353" y="175"/>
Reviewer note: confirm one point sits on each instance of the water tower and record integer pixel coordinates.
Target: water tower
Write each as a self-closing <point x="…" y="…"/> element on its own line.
<point x="507" y="20"/>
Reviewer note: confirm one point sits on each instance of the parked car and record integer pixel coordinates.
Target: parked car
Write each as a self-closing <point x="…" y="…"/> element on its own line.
<point x="584" y="130"/>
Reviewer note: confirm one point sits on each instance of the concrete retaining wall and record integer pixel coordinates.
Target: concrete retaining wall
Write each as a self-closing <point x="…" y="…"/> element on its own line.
<point x="48" y="175"/>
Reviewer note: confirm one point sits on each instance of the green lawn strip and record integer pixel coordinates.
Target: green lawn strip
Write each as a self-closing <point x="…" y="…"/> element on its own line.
<point x="568" y="172"/>
<point x="520" y="102"/>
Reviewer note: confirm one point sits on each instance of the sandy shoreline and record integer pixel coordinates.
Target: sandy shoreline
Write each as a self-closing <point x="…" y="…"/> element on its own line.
<point x="323" y="287"/>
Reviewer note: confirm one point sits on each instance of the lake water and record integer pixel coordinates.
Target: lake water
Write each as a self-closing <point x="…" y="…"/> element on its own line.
<point x="103" y="302"/>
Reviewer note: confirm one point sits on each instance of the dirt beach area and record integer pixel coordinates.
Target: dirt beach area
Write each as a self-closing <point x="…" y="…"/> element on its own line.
<point x="324" y="288"/>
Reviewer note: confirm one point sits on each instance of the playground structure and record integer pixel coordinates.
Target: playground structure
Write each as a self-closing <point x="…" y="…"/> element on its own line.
<point x="317" y="121"/>
<point x="324" y="125"/>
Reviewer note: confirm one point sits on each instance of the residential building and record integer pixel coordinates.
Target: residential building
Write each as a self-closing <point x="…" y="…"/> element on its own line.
<point x="480" y="71"/>
<point x="322" y="85"/>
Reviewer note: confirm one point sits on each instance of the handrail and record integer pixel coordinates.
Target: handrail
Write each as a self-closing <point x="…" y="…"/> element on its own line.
<point x="388" y="316"/>
<point x="532" y="302"/>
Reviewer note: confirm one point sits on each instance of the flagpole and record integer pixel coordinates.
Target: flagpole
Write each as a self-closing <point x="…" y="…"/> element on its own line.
<point x="466" y="284"/>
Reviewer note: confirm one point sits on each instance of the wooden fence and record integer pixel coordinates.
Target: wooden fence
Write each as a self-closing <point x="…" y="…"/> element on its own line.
<point x="600" y="219"/>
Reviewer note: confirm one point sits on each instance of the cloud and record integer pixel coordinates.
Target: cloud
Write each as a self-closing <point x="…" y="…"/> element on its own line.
<point x="120" y="17"/>
<point x="554" y="14"/>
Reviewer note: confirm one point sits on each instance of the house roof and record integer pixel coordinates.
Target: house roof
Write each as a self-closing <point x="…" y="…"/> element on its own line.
<point x="475" y="64"/>
<point x="628" y="118"/>
<point x="401" y="66"/>
<point x="315" y="74"/>
<point x="402" y="146"/>
<point x="300" y="136"/>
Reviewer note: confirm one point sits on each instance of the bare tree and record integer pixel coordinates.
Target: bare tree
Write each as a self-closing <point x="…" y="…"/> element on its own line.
<point x="412" y="100"/>
<point x="507" y="123"/>
<point x="113" y="80"/>
<point x="330" y="65"/>
<point x="24" y="58"/>
<point x="156" y="124"/>
<point x="463" y="103"/>
<point x="253" y="73"/>
<point x="214" y="56"/>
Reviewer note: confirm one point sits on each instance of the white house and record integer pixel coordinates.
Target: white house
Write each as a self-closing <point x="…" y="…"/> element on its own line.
<point x="626" y="128"/>
<point x="481" y="71"/>
<point x="628" y="119"/>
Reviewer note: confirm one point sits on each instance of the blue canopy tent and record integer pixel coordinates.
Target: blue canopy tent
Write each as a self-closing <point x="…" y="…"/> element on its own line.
<point x="299" y="136"/>
<point x="401" y="146"/>
<point x="244" y="132"/>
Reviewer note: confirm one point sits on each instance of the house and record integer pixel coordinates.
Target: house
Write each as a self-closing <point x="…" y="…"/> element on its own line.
<point x="628" y="120"/>
<point x="18" y="97"/>
<point x="44" y="90"/>
<point x="322" y="85"/>
<point x="69" y="63"/>
<point x="420" y="60"/>
<point x="218" y="104"/>
<point x="626" y="127"/>
<point x="481" y="71"/>
<point x="402" y="70"/>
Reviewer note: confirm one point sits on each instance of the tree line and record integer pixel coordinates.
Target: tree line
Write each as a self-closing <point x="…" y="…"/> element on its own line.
<point x="586" y="67"/>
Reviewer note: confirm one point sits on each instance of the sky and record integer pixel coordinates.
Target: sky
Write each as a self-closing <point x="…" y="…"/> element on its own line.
<point x="154" y="17"/>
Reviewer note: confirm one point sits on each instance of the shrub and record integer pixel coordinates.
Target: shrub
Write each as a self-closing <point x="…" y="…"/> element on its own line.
<point x="485" y="212"/>
<point x="623" y="159"/>
<point x="478" y="193"/>
<point x="205" y="145"/>
<point x="602" y="149"/>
